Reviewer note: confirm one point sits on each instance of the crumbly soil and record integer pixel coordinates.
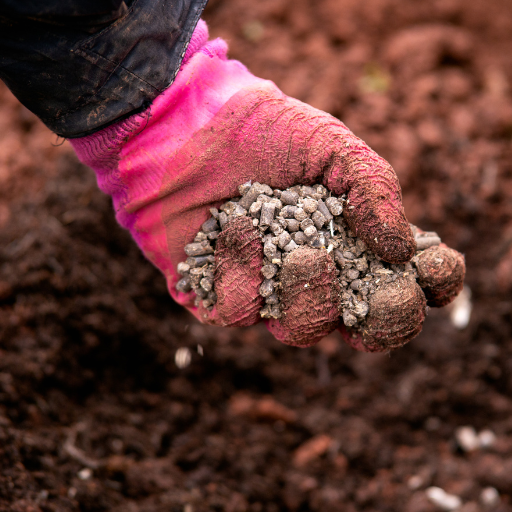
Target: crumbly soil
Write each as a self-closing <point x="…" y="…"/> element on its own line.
<point x="88" y="335"/>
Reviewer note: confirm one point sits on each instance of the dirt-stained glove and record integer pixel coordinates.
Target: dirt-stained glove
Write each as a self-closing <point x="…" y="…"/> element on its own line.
<point x="216" y="127"/>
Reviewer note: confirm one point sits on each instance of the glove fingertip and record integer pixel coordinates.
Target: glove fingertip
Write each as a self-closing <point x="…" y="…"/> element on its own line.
<point x="398" y="247"/>
<point x="238" y="262"/>
<point x="441" y="273"/>
<point x="396" y="314"/>
<point x="292" y="338"/>
<point x="309" y="297"/>
<point x="382" y="226"/>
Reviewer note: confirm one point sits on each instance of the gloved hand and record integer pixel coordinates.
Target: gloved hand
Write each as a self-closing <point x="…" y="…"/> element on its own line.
<point x="216" y="127"/>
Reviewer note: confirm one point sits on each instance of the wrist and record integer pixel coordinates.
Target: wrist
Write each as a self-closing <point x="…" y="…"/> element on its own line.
<point x="135" y="159"/>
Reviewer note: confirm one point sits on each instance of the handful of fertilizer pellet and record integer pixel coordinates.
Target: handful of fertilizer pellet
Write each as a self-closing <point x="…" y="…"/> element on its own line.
<point x="289" y="219"/>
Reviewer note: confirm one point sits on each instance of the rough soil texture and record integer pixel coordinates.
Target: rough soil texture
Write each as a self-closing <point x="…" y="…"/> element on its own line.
<point x="88" y="334"/>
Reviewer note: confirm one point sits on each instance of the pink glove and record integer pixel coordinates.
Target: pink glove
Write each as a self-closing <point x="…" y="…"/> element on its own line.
<point x="219" y="126"/>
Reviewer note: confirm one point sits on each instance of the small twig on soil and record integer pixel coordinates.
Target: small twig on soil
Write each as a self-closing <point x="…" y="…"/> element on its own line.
<point x="76" y="453"/>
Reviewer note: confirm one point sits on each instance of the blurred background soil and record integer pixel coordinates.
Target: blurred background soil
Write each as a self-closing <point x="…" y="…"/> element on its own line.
<point x="94" y="413"/>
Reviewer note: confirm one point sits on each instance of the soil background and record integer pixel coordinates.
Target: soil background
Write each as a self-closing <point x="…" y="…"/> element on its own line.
<point x="94" y="413"/>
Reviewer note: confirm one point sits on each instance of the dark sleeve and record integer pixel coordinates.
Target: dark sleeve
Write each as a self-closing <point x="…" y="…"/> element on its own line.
<point x="81" y="65"/>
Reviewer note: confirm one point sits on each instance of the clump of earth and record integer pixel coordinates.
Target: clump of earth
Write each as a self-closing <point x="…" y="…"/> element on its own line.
<point x="288" y="219"/>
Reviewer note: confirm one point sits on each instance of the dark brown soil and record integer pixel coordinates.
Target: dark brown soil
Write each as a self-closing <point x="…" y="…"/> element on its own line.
<point x="88" y="334"/>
